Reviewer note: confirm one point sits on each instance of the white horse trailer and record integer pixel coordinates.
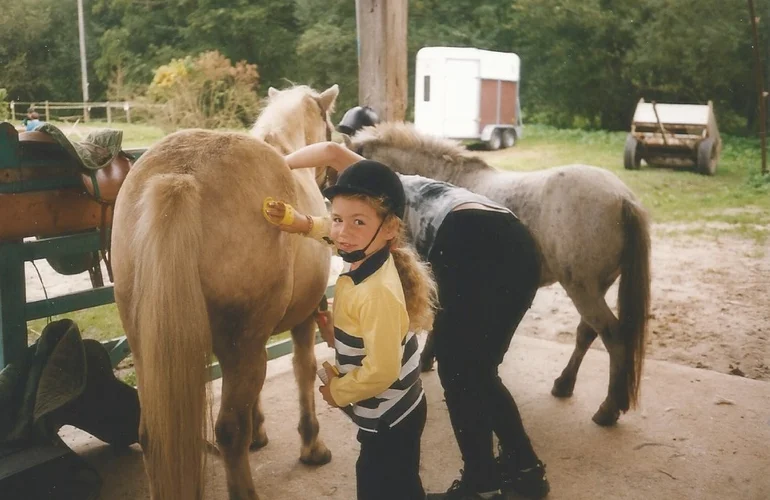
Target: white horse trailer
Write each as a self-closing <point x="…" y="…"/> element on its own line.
<point x="468" y="94"/>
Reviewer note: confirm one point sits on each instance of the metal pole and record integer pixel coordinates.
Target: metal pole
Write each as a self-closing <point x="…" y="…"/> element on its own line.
<point x="83" y="68"/>
<point x="760" y="87"/>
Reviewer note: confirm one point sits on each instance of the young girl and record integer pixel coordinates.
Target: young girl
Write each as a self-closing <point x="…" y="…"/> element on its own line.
<point x="385" y="296"/>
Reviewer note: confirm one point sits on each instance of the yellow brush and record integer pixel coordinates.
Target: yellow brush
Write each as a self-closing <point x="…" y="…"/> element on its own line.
<point x="288" y="216"/>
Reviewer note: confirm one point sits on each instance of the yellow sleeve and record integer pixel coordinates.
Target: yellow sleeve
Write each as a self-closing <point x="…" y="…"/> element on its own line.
<point x="383" y="325"/>
<point x="320" y="230"/>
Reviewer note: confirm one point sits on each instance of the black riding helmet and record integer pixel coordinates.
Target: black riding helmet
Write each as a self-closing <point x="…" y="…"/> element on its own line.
<point x="357" y="118"/>
<point x="371" y="178"/>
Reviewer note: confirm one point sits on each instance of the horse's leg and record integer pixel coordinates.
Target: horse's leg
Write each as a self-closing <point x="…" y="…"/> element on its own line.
<point x="258" y="433"/>
<point x="565" y="384"/>
<point x="597" y="314"/>
<point x="313" y="451"/>
<point x="428" y="354"/>
<point x="241" y="375"/>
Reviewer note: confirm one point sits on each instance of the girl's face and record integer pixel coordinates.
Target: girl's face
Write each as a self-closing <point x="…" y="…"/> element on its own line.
<point x="354" y="223"/>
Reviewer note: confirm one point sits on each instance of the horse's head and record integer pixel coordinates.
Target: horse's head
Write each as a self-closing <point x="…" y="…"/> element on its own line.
<point x="408" y="151"/>
<point x="296" y="117"/>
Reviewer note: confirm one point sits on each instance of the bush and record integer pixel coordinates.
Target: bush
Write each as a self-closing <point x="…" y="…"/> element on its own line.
<point x="4" y="113"/>
<point x="205" y="92"/>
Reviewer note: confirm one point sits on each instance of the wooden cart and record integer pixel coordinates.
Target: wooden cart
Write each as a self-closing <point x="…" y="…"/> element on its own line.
<point x="673" y="135"/>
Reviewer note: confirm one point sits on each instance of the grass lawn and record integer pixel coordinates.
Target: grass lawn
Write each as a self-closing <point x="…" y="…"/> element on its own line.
<point x="135" y="135"/>
<point x="736" y="200"/>
<point x="737" y="195"/>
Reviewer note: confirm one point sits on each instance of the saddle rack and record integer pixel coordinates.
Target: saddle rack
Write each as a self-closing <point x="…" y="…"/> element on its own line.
<point x="52" y="208"/>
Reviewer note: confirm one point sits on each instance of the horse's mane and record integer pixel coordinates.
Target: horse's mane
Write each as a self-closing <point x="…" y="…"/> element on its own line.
<point x="405" y="136"/>
<point x="279" y="116"/>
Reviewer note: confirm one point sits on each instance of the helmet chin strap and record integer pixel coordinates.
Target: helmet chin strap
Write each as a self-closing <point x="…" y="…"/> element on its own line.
<point x="357" y="255"/>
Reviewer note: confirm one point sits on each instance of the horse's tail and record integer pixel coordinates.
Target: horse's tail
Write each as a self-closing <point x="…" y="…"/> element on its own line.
<point x="634" y="294"/>
<point x="174" y="336"/>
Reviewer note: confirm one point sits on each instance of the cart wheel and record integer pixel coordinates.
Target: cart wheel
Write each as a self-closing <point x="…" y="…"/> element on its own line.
<point x="509" y="138"/>
<point x="707" y="157"/>
<point x="632" y="159"/>
<point x="495" y="140"/>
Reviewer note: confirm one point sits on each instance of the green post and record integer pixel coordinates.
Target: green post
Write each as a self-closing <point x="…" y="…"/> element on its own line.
<point x="13" y="325"/>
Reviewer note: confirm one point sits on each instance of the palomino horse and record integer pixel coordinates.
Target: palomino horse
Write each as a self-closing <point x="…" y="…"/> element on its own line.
<point x="198" y="269"/>
<point x="590" y="229"/>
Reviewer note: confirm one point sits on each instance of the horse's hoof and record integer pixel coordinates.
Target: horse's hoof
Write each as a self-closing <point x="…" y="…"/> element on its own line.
<point x="562" y="389"/>
<point x="605" y="418"/>
<point x="259" y="443"/>
<point x="320" y="456"/>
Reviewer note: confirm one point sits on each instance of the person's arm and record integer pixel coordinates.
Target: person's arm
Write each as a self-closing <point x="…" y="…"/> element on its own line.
<point x="323" y="154"/>
<point x="384" y="323"/>
<point x="288" y="219"/>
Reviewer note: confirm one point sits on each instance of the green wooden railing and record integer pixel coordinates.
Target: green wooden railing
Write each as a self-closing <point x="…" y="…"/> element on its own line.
<point x="15" y="311"/>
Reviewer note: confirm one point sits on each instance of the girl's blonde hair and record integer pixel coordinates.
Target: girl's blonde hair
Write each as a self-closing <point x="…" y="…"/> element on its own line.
<point x="420" y="290"/>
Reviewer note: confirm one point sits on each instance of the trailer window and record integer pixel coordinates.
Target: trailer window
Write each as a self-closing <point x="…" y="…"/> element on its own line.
<point x="426" y="88"/>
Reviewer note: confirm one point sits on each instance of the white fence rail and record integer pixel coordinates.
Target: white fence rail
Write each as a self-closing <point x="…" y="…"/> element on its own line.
<point x="119" y="111"/>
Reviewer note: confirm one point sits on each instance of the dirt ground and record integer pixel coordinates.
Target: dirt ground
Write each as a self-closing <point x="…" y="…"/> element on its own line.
<point x="710" y="301"/>
<point x="698" y="434"/>
<point x="710" y="307"/>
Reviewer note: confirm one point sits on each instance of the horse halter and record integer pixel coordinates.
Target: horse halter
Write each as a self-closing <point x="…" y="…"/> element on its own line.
<point x="322" y="179"/>
<point x="325" y="118"/>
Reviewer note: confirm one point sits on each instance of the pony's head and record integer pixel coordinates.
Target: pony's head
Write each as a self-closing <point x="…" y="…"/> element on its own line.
<point x="407" y="151"/>
<point x="296" y="117"/>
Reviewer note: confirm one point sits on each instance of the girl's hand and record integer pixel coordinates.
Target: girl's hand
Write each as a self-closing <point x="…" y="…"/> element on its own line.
<point x="326" y="326"/>
<point x="284" y="216"/>
<point x="326" y="392"/>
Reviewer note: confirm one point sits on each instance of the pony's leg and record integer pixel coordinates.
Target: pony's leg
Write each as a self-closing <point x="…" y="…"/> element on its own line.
<point x="428" y="354"/>
<point x="565" y="384"/>
<point x="597" y="314"/>
<point x="258" y="433"/>
<point x="313" y="451"/>
<point x="240" y="378"/>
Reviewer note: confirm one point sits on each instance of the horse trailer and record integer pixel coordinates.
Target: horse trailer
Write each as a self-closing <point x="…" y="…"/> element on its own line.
<point x="468" y="94"/>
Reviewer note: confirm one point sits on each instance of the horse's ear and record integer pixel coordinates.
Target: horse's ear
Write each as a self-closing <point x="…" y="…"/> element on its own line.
<point x="272" y="92"/>
<point x="348" y="141"/>
<point x="329" y="96"/>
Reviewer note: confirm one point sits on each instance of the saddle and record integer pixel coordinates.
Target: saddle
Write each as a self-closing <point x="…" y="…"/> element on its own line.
<point x="102" y="184"/>
<point x="57" y="187"/>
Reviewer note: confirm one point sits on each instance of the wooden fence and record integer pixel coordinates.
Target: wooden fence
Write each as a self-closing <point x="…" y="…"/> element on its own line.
<point x="48" y="110"/>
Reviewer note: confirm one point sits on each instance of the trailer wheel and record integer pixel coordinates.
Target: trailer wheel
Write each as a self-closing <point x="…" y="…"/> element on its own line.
<point x="495" y="140"/>
<point x="707" y="157"/>
<point x="632" y="159"/>
<point x="509" y="138"/>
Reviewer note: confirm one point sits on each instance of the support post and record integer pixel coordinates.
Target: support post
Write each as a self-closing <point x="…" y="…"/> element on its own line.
<point x="760" y="88"/>
<point x="13" y="324"/>
<point x="382" y="75"/>
<point x="83" y="65"/>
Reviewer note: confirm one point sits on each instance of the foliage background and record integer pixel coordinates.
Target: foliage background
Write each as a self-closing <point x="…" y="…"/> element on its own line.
<point x="585" y="63"/>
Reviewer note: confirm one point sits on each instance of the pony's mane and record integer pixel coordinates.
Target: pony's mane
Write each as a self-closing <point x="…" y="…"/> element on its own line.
<point x="405" y="136"/>
<point x="280" y="124"/>
<point x="281" y="105"/>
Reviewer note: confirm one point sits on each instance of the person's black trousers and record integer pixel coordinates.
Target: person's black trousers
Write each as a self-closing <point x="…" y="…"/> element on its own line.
<point x="487" y="269"/>
<point x="388" y="465"/>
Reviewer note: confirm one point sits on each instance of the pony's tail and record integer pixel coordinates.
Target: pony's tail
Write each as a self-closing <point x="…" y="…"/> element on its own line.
<point x="174" y="336"/>
<point x="634" y="294"/>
